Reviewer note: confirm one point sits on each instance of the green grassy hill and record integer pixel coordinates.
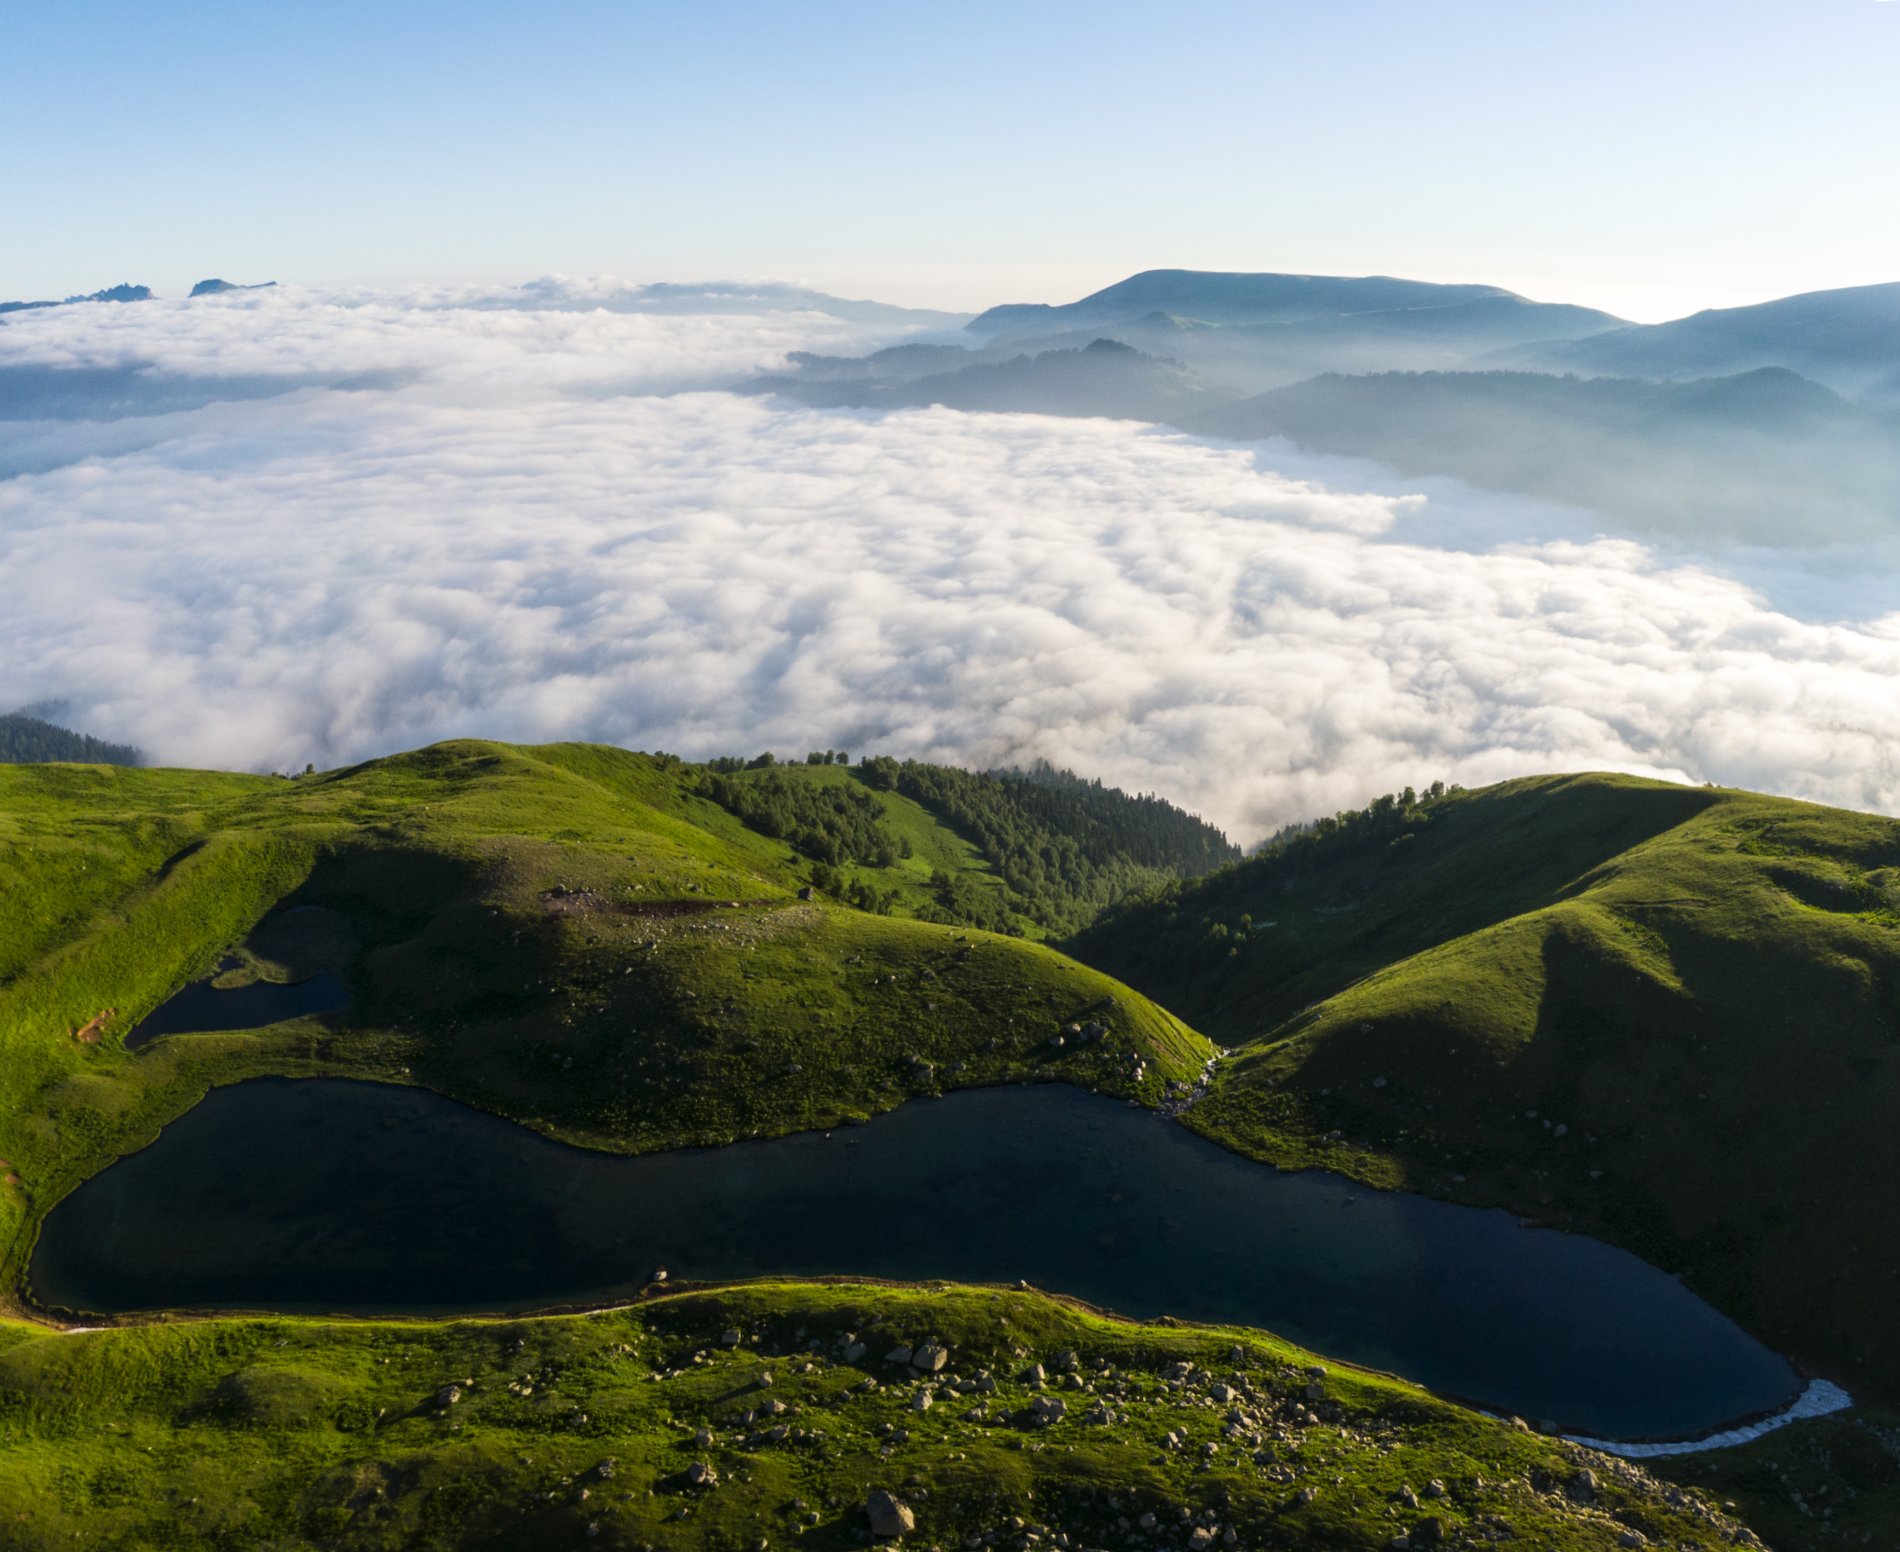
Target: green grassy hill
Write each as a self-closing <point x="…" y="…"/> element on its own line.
<point x="1659" y="1014"/>
<point x="1666" y="1016"/>
<point x="572" y="937"/>
<point x="581" y="1431"/>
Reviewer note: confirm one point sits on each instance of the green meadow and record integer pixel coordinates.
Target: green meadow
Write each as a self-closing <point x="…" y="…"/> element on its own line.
<point x="1664" y="1016"/>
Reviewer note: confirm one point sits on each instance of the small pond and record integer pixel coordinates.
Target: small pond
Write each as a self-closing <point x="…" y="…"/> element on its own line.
<point x="338" y="1196"/>
<point x="201" y="1008"/>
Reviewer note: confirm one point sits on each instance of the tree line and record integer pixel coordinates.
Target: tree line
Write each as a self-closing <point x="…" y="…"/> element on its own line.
<point x="28" y="740"/>
<point x="1063" y="847"/>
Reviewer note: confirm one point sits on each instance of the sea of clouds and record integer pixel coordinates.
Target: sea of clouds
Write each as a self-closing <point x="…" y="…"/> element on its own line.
<point x="324" y="526"/>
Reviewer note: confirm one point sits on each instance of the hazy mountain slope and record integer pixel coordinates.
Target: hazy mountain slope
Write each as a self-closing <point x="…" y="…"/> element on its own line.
<point x="1255" y="357"/>
<point x="1255" y="332"/>
<point x="574" y="937"/>
<point x="1848" y="339"/>
<point x="1104" y="378"/>
<point x="1669" y="1016"/>
<point x="1228" y="298"/>
<point x="1766" y="455"/>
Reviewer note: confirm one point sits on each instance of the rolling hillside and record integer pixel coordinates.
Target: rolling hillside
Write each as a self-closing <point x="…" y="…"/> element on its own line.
<point x="1609" y="1003"/>
<point x="574" y="937"/>
<point x="1668" y="1016"/>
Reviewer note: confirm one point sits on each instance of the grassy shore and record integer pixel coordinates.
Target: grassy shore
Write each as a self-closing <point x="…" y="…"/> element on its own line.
<point x="570" y="937"/>
<point x="584" y="1431"/>
<point x="1665" y="1016"/>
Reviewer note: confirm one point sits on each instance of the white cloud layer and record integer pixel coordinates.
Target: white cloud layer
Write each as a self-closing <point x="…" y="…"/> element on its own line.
<point x="495" y="548"/>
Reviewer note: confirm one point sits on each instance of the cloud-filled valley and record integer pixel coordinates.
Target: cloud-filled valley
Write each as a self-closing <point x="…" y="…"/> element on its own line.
<point x="540" y="519"/>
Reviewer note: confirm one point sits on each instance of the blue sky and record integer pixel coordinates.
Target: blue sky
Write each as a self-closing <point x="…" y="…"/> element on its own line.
<point x="1650" y="157"/>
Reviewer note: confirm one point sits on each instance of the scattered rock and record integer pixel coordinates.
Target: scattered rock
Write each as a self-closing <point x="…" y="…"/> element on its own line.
<point x="890" y="1516"/>
<point x="931" y="1358"/>
<point x="701" y="1474"/>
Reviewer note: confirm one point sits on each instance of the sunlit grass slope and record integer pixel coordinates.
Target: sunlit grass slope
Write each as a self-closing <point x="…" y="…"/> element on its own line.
<point x="581" y="1431"/>
<point x="569" y="936"/>
<point x="1668" y="1016"/>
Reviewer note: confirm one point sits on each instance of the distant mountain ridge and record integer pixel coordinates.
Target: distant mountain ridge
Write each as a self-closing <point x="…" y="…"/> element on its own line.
<point x="1848" y="339"/>
<point x="126" y="292"/>
<point x="215" y="287"/>
<point x="1231" y="298"/>
<point x="1771" y="424"/>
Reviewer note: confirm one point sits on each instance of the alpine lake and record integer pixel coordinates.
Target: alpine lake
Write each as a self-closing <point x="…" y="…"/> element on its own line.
<point x="341" y="1197"/>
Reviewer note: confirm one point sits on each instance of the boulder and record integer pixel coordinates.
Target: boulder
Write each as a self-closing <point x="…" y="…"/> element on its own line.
<point x="898" y="1354"/>
<point x="889" y="1515"/>
<point x="1048" y="1409"/>
<point x="701" y="1474"/>
<point x="931" y="1358"/>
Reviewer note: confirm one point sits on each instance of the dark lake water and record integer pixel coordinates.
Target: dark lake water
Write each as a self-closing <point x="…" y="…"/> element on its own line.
<point x="336" y="1196"/>
<point x="200" y="1008"/>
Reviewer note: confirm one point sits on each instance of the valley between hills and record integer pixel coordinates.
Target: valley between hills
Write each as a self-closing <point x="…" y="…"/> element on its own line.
<point x="1658" y="1016"/>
